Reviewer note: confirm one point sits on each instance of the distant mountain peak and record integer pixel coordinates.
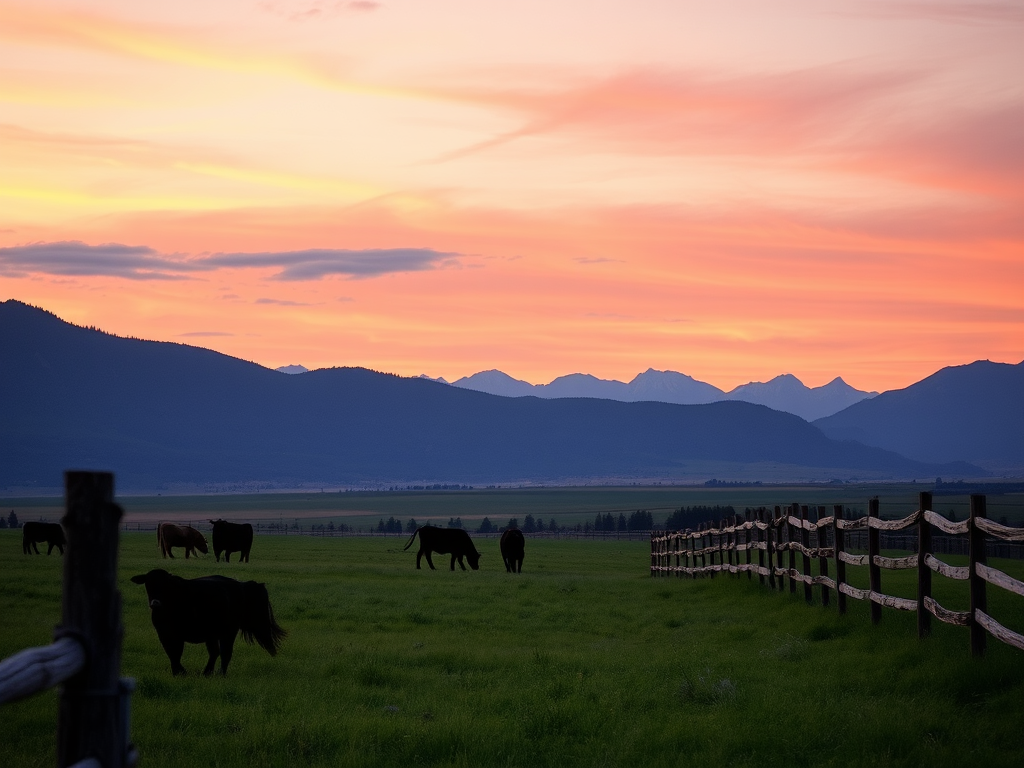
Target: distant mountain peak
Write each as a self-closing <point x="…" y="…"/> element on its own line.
<point x="293" y="369"/>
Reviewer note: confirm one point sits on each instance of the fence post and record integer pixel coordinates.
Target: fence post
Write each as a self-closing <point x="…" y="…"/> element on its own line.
<point x="92" y="714"/>
<point x="837" y="511"/>
<point x="821" y="539"/>
<point x="977" y="555"/>
<point x="760" y="551"/>
<point x="874" y="570"/>
<point x="773" y="540"/>
<point x="805" y="539"/>
<point x="748" y="539"/>
<point x="924" y="573"/>
<point x="794" y="510"/>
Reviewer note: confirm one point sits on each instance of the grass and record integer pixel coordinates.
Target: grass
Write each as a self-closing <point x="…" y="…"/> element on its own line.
<point x="583" y="659"/>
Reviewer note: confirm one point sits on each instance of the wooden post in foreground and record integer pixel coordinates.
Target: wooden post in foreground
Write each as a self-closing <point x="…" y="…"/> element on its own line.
<point x="874" y="570"/>
<point x="924" y="573"/>
<point x="91" y="720"/>
<point x="979" y="601"/>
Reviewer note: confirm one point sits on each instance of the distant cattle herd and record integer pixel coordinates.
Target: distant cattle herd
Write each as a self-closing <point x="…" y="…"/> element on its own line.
<point x="213" y="609"/>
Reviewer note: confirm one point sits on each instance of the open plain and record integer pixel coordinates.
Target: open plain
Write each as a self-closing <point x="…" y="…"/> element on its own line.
<point x="583" y="659"/>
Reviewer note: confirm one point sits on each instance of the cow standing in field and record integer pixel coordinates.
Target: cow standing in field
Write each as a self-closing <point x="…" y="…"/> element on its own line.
<point x="231" y="537"/>
<point x="513" y="548"/>
<point x="445" y="541"/>
<point x="209" y="610"/>
<point x="51" y="533"/>
<point x="169" y="535"/>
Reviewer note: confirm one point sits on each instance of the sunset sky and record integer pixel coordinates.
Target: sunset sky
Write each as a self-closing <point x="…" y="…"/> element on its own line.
<point x="731" y="189"/>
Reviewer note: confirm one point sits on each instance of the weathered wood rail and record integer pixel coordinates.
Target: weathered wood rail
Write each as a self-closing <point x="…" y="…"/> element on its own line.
<point x="85" y="657"/>
<point x="713" y="549"/>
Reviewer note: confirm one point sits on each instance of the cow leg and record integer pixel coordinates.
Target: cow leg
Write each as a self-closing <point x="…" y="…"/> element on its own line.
<point x="462" y="565"/>
<point x="430" y="562"/>
<point x="174" y="646"/>
<point x="212" y="648"/>
<point x="61" y="548"/>
<point x="227" y="647"/>
<point x="49" y="550"/>
<point x="35" y="547"/>
<point x="227" y="556"/>
<point x="170" y="552"/>
<point x="187" y="550"/>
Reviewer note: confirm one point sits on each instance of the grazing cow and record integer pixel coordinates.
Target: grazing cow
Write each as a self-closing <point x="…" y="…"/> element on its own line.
<point x="209" y="610"/>
<point x="444" y="541"/>
<point x="51" y="533"/>
<point x="169" y="535"/>
<point x="513" y="547"/>
<point x="231" y="537"/>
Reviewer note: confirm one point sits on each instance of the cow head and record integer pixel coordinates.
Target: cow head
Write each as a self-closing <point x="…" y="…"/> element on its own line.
<point x="474" y="559"/>
<point x="200" y="542"/>
<point x="156" y="582"/>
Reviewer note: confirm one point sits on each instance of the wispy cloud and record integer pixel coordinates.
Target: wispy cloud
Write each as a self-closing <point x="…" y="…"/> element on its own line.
<point x="314" y="10"/>
<point x="140" y="262"/>
<point x="77" y="259"/>
<point x="318" y="263"/>
<point x="206" y="333"/>
<point x="284" y="303"/>
<point x="688" y="112"/>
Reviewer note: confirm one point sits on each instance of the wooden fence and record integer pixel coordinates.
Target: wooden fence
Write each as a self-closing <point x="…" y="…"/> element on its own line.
<point x="93" y="711"/>
<point x="787" y="535"/>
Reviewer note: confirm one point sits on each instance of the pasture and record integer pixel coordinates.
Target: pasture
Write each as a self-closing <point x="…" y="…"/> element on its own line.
<point x="582" y="660"/>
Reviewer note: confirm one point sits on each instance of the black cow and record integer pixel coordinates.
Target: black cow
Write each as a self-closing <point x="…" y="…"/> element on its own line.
<point x="51" y="533"/>
<point x="444" y="541"/>
<point x="513" y="547"/>
<point x="231" y="537"/>
<point x="209" y="610"/>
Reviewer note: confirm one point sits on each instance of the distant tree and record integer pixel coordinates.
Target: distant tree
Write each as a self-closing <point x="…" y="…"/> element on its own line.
<point x="598" y="522"/>
<point x="12" y="520"/>
<point x="393" y="526"/>
<point x="411" y="526"/>
<point x="330" y="526"/>
<point x="587" y="527"/>
<point x="622" y="521"/>
<point x="641" y="520"/>
<point x="454" y="522"/>
<point x="513" y="524"/>
<point x="609" y="522"/>
<point x="485" y="526"/>
<point x="552" y="525"/>
<point x="3" y="522"/>
<point x="530" y="525"/>
<point x="380" y="526"/>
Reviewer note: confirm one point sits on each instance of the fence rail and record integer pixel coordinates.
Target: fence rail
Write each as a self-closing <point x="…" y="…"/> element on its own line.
<point x="713" y="549"/>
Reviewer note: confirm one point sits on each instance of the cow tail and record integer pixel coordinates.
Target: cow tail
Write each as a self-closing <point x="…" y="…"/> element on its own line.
<point x="411" y="540"/>
<point x="258" y="618"/>
<point x="160" y="538"/>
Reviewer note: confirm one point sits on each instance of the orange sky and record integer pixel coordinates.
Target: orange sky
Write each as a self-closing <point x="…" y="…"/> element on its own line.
<point x="731" y="190"/>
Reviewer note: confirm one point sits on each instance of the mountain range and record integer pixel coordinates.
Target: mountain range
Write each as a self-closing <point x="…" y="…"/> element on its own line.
<point x="159" y="413"/>
<point x="783" y="393"/>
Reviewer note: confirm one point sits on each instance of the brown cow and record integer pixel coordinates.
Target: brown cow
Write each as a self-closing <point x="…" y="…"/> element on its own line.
<point x="169" y="535"/>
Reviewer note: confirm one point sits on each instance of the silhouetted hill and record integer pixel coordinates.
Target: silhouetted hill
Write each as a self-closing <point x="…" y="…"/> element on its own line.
<point x="157" y="412"/>
<point x="973" y="412"/>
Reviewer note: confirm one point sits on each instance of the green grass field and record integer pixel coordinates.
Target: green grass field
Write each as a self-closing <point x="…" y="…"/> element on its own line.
<point x="583" y="659"/>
